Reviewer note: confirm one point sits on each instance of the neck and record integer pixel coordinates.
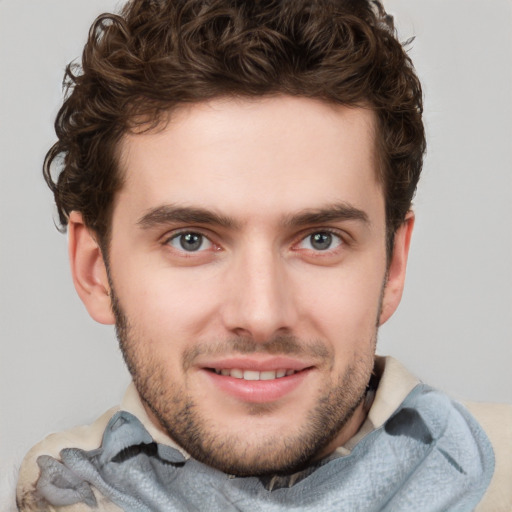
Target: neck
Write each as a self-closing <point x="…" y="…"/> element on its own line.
<point x="350" y="428"/>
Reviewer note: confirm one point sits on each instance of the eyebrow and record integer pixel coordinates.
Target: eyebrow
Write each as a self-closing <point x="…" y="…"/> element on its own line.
<point x="332" y="213"/>
<point x="168" y="214"/>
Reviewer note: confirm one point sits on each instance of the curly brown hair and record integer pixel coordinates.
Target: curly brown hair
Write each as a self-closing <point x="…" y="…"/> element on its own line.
<point x="156" y="54"/>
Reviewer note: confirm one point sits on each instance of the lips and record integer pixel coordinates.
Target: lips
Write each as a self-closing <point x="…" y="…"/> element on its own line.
<point x="238" y="373"/>
<point x="257" y="380"/>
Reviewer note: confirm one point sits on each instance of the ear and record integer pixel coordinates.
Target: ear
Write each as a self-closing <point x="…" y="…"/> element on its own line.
<point x="88" y="270"/>
<point x="397" y="267"/>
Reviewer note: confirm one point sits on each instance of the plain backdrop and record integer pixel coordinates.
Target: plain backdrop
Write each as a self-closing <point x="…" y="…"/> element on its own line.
<point x="453" y="329"/>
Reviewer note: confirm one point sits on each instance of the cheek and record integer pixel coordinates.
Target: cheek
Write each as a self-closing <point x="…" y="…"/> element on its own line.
<point x="343" y="305"/>
<point x="165" y="302"/>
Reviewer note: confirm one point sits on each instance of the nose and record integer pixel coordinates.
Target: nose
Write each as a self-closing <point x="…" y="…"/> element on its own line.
<point x="260" y="295"/>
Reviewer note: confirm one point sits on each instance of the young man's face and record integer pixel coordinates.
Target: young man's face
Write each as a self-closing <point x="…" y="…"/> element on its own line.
<point x="248" y="263"/>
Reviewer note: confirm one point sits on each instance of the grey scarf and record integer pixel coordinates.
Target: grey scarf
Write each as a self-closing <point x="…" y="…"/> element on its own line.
<point x="431" y="455"/>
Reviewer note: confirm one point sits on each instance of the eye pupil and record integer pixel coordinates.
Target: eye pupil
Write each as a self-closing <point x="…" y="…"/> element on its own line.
<point x="191" y="241"/>
<point x="321" y="241"/>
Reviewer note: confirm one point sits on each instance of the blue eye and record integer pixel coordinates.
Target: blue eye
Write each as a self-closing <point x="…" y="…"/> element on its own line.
<point x="190" y="242"/>
<point x="321" y="241"/>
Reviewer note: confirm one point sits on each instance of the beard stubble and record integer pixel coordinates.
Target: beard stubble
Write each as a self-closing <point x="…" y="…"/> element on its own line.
<point x="239" y="453"/>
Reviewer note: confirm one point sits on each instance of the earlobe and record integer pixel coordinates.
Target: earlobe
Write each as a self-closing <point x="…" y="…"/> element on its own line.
<point x="88" y="270"/>
<point x="397" y="269"/>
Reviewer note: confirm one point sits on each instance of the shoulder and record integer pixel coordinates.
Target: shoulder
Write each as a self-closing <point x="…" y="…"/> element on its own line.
<point x="87" y="437"/>
<point x="496" y="420"/>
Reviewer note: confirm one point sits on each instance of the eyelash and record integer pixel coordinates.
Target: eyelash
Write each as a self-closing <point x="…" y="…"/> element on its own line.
<point x="176" y="235"/>
<point x="302" y="238"/>
<point x="329" y="231"/>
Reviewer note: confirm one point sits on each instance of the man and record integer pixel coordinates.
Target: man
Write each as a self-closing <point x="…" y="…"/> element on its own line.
<point x="237" y="180"/>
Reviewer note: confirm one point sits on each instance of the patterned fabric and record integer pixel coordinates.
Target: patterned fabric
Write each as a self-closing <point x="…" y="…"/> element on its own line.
<point x="431" y="455"/>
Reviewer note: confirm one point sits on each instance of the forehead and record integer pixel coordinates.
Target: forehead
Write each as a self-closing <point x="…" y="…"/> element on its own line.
<point x="268" y="155"/>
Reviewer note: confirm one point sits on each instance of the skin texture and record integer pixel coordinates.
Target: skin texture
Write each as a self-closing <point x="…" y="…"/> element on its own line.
<point x="279" y="201"/>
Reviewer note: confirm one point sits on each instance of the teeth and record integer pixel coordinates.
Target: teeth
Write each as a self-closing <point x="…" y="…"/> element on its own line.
<point x="253" y="374"/>
<point x="237" y="374"/>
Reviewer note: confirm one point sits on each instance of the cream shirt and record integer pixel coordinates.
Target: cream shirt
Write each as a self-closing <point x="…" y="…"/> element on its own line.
<point x="394" y="385"/>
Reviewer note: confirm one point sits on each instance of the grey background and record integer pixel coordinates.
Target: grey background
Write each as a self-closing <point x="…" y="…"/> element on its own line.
<point x="454" y="329"/>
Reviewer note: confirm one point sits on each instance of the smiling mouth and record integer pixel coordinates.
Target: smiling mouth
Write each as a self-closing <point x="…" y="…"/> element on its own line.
<point x="252" y="381"/>
<point x="239" y="373"/>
